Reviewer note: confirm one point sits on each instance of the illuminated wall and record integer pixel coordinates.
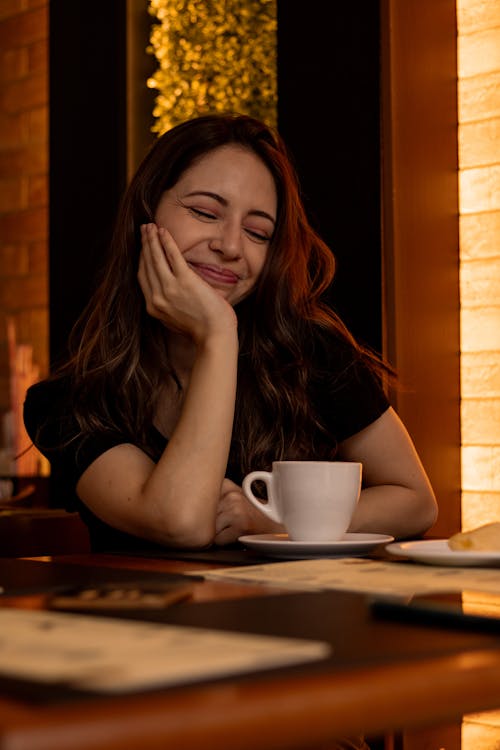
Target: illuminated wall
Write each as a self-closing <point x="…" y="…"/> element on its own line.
<point x="479" y="158"/>
<point x="24" y="118"/>
<point x="213" y="56"/>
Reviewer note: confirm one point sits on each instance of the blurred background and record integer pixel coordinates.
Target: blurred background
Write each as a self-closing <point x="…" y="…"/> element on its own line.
<point x="391" y="109"/>
<point x="392" y="112"/>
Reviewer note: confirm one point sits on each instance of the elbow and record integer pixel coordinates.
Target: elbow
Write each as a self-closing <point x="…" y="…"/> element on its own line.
<point x="427" y="521"/>
<point x="425" y="512"/>
<point x="195" y="540"/>
<point x="183" y="532"/>
<point x="430" y="512"/>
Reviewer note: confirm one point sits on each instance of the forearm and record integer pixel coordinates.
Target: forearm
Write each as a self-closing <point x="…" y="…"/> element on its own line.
<point x="173" y="502"/>
<point x="399" y="511"/>
<point x="397" y="498"/>
<point x="184" y="487"/>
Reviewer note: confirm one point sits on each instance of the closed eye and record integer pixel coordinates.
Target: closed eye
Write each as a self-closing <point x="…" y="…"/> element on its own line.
<point x="207" y="215"/>
<point x="204" y="215"/>
<point x="258" y="236"/>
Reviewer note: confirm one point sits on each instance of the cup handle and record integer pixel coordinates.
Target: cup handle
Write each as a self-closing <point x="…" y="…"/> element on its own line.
<point x="269" y="509"/>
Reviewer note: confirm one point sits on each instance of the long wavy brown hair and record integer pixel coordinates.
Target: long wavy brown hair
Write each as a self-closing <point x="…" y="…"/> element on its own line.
<point x="118" y="352"/>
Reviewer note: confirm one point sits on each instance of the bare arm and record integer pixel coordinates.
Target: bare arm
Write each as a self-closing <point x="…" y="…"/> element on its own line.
<point x="174" y="501"/>
<point x="397" y="497"/>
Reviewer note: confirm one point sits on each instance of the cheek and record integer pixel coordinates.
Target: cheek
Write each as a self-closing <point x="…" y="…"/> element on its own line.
<point x="181" y="231"/>
<point x="257" y="260"/>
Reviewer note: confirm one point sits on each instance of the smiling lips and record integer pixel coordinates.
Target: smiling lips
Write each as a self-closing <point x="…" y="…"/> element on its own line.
<point x="215" y="273"/>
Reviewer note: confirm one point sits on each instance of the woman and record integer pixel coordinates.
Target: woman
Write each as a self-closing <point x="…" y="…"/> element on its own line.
<point x="206" y="352"/>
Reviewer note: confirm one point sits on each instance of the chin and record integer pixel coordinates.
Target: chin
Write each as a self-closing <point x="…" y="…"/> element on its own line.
<point x="232" y="299"/>
<point x="235" y="299"/>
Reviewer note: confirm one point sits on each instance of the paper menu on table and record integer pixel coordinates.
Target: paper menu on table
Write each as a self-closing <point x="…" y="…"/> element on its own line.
<point x="361" y="575"/>
<point x="114" y="656"/>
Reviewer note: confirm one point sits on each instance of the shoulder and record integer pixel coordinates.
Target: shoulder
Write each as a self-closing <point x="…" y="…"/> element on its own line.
<point x="50" y="421"/>
<point x="44" y="390"/>
<point x="335" y="356"/>
<point x="45" y="403"/>
<point x="346" y="388"/>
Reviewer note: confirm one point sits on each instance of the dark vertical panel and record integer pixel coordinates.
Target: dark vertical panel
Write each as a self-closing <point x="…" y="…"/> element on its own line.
<point x="87" y="149"/>
<point x="329" y="114"/>
<point x="140" y="98"/>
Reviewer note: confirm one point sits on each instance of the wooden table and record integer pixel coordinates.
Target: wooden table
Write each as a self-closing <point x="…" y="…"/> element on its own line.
<point x="41" y="531"/>
<point x="281" y="710"/>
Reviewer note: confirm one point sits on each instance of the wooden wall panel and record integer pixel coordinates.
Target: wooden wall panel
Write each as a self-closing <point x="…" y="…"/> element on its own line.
<point x="420" y="234"/>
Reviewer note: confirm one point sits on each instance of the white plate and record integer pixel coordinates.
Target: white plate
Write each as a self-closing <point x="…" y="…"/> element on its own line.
<point x="279" y="545"/>
<point x="437" y="552"/>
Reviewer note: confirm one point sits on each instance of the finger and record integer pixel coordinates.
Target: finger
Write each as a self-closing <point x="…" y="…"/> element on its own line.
<point x="229" y="486"/>
<point x="173" y="255"/>
<point x="146" y="261"/>
<point x="143" y="279"/>
<point x="221" y="522"/>
<point x="146" y="252"/>
<point x="155" y="252"/>
<point x="229" y="503"/>
<point x="228" y="535"/>
<point x="229" y="514"/>
<point x="156" y="267"/>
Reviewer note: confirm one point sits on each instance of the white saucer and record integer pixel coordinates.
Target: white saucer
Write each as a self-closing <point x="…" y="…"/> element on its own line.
<point x="437" y="552"/>
<point x="279" y="545"/>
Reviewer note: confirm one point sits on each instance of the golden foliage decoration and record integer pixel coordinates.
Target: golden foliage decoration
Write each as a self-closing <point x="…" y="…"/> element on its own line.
<point x="213" y="56"/>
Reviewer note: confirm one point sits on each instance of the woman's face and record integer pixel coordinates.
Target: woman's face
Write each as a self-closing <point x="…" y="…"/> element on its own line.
<point x="222" y="215"/>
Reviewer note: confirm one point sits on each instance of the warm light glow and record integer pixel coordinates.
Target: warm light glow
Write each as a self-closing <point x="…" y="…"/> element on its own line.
<point x="479" y="159"/>
<point x="213" y="56"/>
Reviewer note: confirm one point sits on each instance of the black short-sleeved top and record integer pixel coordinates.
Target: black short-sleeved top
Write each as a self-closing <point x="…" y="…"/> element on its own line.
<point x="346" y="394"/>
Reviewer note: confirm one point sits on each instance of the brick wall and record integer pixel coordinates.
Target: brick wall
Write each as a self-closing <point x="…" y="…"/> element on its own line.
<point x="23" y="181"/>
<point x="479" y="155"/>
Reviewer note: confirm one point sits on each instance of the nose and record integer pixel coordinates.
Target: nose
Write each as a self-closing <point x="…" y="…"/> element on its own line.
<point x="227" y="241"/>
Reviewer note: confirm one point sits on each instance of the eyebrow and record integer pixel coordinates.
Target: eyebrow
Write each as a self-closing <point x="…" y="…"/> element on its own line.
<point x="224" y="202"/>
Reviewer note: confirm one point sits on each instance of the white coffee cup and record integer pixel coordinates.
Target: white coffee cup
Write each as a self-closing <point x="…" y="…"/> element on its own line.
<point x="314" y="500"/>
